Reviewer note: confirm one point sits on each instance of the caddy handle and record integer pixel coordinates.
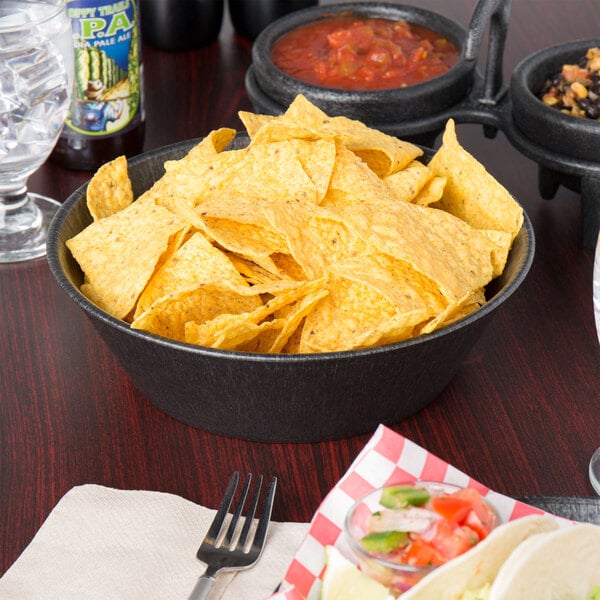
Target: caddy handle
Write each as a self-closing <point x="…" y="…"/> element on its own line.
<point x="496" y="13"/>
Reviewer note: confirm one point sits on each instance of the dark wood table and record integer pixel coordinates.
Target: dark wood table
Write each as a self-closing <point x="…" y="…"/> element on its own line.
<point x="522" y="415"/>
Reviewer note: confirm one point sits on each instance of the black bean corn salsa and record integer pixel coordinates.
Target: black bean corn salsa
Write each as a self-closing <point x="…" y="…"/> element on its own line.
<point x="576" y="89"/>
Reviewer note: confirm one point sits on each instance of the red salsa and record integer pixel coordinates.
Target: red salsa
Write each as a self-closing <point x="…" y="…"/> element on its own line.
<point x="353" y="53"/>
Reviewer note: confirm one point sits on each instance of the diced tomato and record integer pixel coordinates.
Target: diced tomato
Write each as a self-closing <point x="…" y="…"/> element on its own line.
<point x="421" y="553"/>
<point x="449" y="539"/>
<point x="471" y="534"/>
<point x="482" y="518"/>
<point x="321" y="70"/>
<point x="402" y="30"/>
<point x="367" y="74"/>
<point x="474" y="522"/>
<point x="360" y="38"/>
<point x="380" y="56"/>
<point x="346" y="63"/>
<point x="469" y="494"/>
<point x="450" y="507"/>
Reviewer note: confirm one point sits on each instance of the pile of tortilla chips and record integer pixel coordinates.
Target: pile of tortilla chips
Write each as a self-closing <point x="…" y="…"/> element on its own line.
<point x="320" y="235"/>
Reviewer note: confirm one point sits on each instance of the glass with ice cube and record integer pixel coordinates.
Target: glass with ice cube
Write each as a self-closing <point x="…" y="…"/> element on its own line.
<point x="36" y="74"/>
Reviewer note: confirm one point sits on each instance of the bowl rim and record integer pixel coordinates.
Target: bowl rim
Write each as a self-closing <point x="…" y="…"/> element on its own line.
<point x="261" y="49"/>
<point x="523" y="94"/>
<point x="54" y="245"/>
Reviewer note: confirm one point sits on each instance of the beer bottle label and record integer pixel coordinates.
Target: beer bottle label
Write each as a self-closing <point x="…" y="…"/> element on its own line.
<point x="107" y="95"/>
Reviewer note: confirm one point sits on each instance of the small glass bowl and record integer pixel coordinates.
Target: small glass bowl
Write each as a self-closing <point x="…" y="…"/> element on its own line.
<point x="397" y="577"/>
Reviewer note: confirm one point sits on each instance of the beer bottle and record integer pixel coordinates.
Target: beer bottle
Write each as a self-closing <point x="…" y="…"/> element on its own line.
<point x="106" y="116"/>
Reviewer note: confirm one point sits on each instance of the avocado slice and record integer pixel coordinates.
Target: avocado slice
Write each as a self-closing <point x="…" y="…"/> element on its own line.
<point x="384" y="542"/>
<point x="400" y="496"/>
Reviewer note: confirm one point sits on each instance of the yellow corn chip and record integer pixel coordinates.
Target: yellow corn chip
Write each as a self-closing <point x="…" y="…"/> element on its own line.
<point x="471" y="193"/>
<point x="351" y="316"/>
<point x="431" y="192"/>
<point x="169" y="315"/>
<point x="322" y="235"/>
<point x="109" y="191"/>
<point x="195" y="263"/>
<point x="214" y="143"/>
<point x="119" y="253"/>
<point x="434" y="243"/>
<point x="383" y="153"/>
<point x="406" y="183"/>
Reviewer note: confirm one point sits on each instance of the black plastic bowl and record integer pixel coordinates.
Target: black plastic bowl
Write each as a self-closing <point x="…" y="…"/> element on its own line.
<point x="271" y="90"/>
<point x="292" y="398"/>
<point x="546" y="126"/>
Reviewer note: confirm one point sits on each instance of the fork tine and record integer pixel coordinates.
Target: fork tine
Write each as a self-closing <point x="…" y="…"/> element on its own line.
<point x="238" y="511"/>
<point x="224" y="557"/>
<point x="265" y="516"/>
<point x="250" y="515"/>
<point x="215" y="527"/>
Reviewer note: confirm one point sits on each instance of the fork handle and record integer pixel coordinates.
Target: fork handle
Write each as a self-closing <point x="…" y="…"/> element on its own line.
<point x="202" y="587"/>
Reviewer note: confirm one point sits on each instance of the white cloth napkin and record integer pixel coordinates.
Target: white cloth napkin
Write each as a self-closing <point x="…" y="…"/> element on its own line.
<point x="100" y="542"/>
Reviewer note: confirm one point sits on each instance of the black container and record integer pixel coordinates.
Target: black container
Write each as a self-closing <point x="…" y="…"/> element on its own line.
<point x="271" y="90"/>
<point x="547" y="126"/>
<point x="265" y="397"/>
<point x="180" y="24"/>
<point x="250" y="17"/>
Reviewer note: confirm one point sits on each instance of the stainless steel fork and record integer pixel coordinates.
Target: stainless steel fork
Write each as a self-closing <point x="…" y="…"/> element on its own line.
<point x="230" y="551"/>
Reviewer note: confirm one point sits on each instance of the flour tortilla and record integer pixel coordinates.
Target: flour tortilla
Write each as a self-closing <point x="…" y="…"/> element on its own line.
<point x="479" y="566"/>
<point x="552" y="566"/>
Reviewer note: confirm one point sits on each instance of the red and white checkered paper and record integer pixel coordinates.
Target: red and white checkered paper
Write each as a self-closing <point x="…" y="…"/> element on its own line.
<point x="387" y="458"/>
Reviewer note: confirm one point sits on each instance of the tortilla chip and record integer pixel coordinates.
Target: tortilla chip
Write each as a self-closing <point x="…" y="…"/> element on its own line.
<point x="316" y="154"/>
<point x="434" y="243"/>
<point x="463" y="307"/>
<point x="295" y="315"/>
<point x="211" y="145"/>
<point x="253" y="121"/>
<point x="318" y="159"/>
<point x="383" y="153"/>
<point x="406" y="289"/>
<point x="321" y="235"/>
<point x="279" y="129"/>
<point x="196" y="263"/>
<point x="315" y="237"/>
<point x="502" y="245"/>
<point x="289" y="181"/>
<point x="288" y="267"/>
<point x="353" y="181"/>
<point x="169" y="315"/>
<point x="253" y="273"/>
<point x="189" y="182"/>
<point x="120" y="253"/>
<point x="109" y="191"/>
<point x="353" y="315"/>
<point x="431" y="192"/>
<point x="252" y="242"/>
<point x="406" y="183"/>
<point x="227" y="331"/>
<point x="471" y="193"/>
